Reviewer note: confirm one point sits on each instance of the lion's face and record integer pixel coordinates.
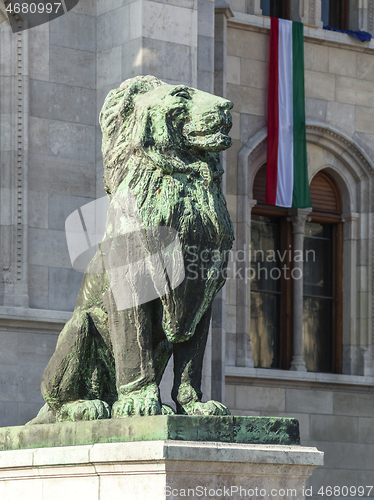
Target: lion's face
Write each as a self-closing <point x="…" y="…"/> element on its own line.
<point x="192" y="119"/>
<point x="169" y="124"/>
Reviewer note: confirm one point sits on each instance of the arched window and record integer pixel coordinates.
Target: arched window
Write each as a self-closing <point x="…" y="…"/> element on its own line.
<point x="271" y="285"/>
<point x="323" y="278"/>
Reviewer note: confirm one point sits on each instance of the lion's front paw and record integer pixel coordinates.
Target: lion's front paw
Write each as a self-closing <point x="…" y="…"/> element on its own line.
<point x="145" y="401"/>
<point x="167" y="410"/>
<point x="83" y="410"/>
<point x="208" y="408"/>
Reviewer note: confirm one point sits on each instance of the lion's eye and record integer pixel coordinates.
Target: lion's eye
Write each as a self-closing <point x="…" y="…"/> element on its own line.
<point x="183" y="93"/>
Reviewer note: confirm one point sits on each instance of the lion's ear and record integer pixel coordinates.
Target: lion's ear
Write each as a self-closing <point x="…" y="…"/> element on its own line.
<point x="135" y="88"/>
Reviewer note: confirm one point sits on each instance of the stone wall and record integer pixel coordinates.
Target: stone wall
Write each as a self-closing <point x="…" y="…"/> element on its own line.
<point x="335" y="413"/>
<point x="339" y="87"/>
<point x="62" y="149"/>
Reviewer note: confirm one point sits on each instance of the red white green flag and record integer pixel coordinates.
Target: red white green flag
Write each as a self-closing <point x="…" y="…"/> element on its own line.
<point x="287" y="170"/>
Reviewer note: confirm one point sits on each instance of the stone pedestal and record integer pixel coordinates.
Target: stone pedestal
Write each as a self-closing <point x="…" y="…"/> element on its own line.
<point x="157" y="470"/>
<point x="156" y="458"/>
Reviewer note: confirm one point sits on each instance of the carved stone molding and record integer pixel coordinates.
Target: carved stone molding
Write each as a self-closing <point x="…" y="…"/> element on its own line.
<point x="370" y="15"/>
<point x="14" y="166"/>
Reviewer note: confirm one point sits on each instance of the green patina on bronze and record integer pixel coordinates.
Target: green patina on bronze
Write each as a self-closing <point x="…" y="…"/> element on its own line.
<point x="162" y="143"/>
<point x="228" y="429"/>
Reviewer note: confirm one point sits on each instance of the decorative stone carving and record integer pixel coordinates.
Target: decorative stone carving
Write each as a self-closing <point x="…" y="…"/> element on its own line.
<point x="161" y="147"/>
<point x="14" y="180"/>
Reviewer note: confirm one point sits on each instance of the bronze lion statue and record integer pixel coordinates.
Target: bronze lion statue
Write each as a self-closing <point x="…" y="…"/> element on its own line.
<point x="161" y="142"/>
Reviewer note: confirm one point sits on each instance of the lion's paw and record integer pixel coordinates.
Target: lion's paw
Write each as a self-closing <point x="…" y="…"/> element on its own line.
<point x="83" y="410"/>
<point x="145" y="401"/>
<point x="167" y="410"/>
<point x="206" y="409"/>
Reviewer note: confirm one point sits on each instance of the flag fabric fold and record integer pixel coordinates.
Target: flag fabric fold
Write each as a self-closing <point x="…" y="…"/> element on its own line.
<point x="287" y="182"/>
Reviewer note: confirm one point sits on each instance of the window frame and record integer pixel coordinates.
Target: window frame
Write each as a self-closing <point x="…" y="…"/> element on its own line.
<point x="336" y="222"/>
<point x="286" y="324"/>
<point x="285" y="334"/>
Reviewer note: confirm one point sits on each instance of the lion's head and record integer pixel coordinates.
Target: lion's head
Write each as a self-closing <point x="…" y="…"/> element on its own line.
<point x="174" y="125"/>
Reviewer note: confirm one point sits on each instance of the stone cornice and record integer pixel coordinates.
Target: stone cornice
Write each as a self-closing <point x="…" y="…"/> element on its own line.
<point x="315" y="35"/>
<point x="222" y="7"/>
<point x="293" y="379"/>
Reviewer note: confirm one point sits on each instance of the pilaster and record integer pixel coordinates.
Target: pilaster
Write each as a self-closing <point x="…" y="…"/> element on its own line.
<point x="310" y="12"/>
<point x="244" y="356"/>
<point x="223" y="12"/>
<point x="205" y="45"/>
<point x="352" y="352"/>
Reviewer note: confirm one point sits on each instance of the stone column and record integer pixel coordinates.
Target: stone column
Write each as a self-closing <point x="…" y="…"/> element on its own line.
<point x="298" y="217"/>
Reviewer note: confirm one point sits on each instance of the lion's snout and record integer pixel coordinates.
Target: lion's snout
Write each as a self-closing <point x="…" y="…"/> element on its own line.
<point x="225" y="104"/>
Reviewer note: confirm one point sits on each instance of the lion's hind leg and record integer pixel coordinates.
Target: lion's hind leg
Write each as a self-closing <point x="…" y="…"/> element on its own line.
<point x="68" y="381"/>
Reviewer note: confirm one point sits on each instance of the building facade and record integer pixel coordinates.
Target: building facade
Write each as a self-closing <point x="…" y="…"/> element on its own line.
<point x="278" y="345"/>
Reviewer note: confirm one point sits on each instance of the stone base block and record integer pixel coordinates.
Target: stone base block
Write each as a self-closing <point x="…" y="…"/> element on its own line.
<point x="230" y="429"/>
<point x="157" y="470"/>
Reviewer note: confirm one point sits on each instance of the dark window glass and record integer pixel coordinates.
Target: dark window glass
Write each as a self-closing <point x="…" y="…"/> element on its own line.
<point x="271" y="298"/>
<point x="325" y="12"/>
<point x="265" y="291"/>
<point x="335" y="13"/>
<point x="318" y="297"/>
<point x="275" y="8"/>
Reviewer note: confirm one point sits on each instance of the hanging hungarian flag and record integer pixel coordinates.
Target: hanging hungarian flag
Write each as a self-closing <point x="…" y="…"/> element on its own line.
<point x="287" y="170"/>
